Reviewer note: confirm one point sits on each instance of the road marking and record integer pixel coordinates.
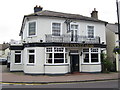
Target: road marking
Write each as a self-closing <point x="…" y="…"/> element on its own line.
<point x="11" y="83"/>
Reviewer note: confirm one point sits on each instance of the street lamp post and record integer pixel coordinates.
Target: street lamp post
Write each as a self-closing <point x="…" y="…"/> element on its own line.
<point x="118" y="18"/>
<point x="118" y="21"/>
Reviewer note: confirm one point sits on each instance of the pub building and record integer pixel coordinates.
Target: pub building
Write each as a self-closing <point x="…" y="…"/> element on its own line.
<point x="59" y="43"/>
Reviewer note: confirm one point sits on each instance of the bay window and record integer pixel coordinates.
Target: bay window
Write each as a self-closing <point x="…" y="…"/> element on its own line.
<point x="56" y="55"/>
<point x="91" y="55"/>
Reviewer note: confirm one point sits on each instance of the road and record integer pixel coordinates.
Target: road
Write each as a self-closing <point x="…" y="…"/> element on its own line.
<point x="97" y="84"/>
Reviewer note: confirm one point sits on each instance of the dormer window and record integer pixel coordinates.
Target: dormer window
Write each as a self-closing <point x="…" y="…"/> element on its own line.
<point x="32" y="28"/>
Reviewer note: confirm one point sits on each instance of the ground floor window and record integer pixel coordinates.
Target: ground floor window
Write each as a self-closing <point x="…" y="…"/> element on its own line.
<point x="31" y="56"/>
<point x="91" y="55"/>
<point x="56" y="55"/>
<point x="17" y="56"/>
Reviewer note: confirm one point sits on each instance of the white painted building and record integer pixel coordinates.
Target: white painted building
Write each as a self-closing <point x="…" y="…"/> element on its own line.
<point x="59" y="43"/>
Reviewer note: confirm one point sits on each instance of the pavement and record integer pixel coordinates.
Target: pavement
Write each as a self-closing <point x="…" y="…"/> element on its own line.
<point x="21" y="78"/>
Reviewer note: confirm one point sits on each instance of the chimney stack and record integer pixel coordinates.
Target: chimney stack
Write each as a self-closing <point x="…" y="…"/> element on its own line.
<point x="94" y="14"/>
<point x="37" y="8"/>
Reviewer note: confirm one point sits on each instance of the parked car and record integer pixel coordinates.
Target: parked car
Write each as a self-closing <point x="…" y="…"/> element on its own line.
<point x="3" y="61"/>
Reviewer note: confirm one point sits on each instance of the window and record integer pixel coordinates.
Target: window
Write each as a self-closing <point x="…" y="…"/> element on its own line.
<point x="94" y="57"/>
<point x="90" y="31"/>
<point x="91" y="55"/>
<point x="32" y="28"/>
<point x="56" y="28"/>
<point x="86" y="57"/>
<point x="17" y="56"/>
<point x="56" y="55"/>
<point x="31" y="56"/>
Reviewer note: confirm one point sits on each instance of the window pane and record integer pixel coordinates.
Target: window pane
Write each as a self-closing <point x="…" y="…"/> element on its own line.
<point x="86" y="58"/>
<point x="94" y="57"/>
<point x="18" y="58"/>
<point x="31" y="51"/>
<point x="58" y="49"/>
<point x="86" y="50"/>
<point x="17" y="51"/>
<point x="90" y="31"/>
<point x="66" y="58"/>
<point x="31" y="58"/>
<point x="49" y="58"/>
<point x="32" y="28"/>
<point x="94" y="49"/>
<point x="58" y="58"/>
<point x="56" y="27"/>
<point x="48" y="49"/>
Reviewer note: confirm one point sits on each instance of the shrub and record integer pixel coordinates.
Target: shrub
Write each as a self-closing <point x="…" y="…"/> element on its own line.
<point x="107" y="65"/>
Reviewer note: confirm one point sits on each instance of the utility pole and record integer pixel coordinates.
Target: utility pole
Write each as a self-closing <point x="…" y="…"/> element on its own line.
<point x="118" y="55"/>
<point x="118" y="21"/>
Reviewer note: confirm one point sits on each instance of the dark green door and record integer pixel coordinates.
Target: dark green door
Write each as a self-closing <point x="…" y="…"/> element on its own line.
<point x="74" y="63"/>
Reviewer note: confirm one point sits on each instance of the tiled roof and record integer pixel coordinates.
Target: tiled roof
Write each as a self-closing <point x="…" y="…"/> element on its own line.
<point x="48" y="13"/>
<point x="4" y="46"/>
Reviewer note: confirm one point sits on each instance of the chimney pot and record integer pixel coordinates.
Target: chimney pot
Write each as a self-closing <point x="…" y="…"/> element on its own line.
<point x="94" y="14"/>
<point x="37" y="8"/>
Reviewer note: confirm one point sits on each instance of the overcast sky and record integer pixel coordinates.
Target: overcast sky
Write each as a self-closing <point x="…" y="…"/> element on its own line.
<point x="13" y="11"/>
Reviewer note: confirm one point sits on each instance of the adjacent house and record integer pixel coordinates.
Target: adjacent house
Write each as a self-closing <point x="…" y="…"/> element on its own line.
<point x="59" y="43"/>
<point x="4" y="49"/>
<point x="112" y="42"/>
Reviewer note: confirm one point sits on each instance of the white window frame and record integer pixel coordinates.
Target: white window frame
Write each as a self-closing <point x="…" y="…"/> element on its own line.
<point x="35" y="28"/>
<point x="53" y="52"/>
<point x="60" y="28"/>
<point x="99" y="62"/>
<point x="31" y="54"/>
<point x="87" y="30"/>
<point x="20" y="55"/>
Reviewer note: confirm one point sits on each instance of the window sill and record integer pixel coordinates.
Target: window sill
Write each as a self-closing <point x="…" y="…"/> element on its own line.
<point x="30" y="64"/>
<point x="91" y="64"/>
<point x="32" y="36"/>
<point x="18" y="63"/>
<point x="64" y="64"/>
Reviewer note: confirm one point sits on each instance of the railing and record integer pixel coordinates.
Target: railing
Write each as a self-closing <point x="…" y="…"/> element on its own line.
<point x="72" y="39"/>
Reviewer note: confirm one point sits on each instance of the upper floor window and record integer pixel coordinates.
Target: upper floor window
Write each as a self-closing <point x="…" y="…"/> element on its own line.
<point x="90" y="31"/>
<point x="32" y="28"/>
<point x="56" y="28"/>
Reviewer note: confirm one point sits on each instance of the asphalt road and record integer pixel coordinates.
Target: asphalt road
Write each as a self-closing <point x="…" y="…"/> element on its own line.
<point x="97" y="84"/>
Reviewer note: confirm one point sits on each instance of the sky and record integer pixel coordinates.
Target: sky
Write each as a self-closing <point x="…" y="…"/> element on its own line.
<point x="13" y="11"/>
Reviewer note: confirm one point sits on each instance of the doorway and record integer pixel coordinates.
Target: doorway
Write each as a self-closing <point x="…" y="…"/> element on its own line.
<point x="74" y="63"/>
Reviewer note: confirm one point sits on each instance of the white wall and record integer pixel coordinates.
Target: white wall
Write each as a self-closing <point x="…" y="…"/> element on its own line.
<point x="13" y="66"/>
<point x="111" y="43"/>
<point x="44" y="27"/>
<point x="38" y="67"/>
<point x="56" y="69"/>
<point x="91" y="68"/>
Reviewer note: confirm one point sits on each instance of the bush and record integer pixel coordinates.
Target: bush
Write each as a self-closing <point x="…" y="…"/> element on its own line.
<point x="107" y="65"/>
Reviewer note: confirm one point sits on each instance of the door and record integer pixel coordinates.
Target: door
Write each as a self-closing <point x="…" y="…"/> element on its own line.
<point x="74" y="63"/>
<point x="74" y="31"/>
